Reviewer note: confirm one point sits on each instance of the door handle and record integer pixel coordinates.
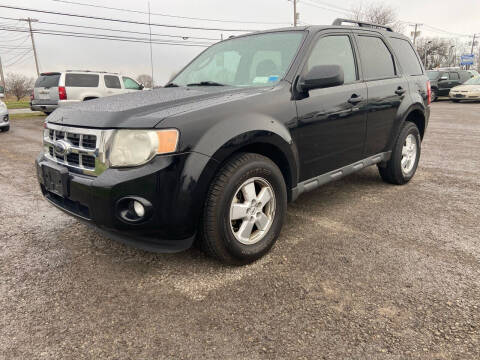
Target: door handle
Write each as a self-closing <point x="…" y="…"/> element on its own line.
<point x="400" y="91"/>
<point x="355" y="99"/>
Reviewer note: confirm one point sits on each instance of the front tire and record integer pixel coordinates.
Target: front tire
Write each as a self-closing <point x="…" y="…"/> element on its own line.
<point x="244" y="210"/>
<point x="5" y="129"/>
<point x="403" y="163"/>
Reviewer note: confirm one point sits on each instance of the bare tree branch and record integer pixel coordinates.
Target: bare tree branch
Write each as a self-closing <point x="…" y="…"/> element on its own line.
<point x="18" y="85"/>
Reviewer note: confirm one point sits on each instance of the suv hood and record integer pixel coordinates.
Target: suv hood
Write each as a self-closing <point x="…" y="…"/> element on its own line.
<point x="145" y="109"/>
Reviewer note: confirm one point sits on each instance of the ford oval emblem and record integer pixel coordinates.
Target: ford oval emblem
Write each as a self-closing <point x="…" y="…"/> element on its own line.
<point x="61" y="147"/>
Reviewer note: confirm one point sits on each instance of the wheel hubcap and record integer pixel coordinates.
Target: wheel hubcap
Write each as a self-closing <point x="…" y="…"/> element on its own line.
<point x="252" y="210"/>
<point x="409" y="154"/>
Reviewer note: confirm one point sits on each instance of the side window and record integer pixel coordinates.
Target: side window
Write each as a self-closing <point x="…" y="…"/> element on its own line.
<point x="130" y="83"/>
<point x="81" y="80"/>
<point x="377" y="59"/>
<point x="407" y="57"/>
<point x="334" y="50"/>
<point x="112" y="82"/>
<point x="454" y="76"/>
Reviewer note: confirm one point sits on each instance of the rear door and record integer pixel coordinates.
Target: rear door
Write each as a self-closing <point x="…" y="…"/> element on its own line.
<point x="386" y="90"/>
<point x="454" y="79"/>
<point x="411" y="66"/>
<point x="46" y="88"/>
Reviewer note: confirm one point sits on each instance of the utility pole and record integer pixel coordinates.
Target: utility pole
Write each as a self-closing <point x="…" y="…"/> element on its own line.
<point x="29" y="20"/>
<point x="151" y="50"/>
<point x="295" y="15"/>
<point x="415" y="32"/>
<point x="2" y="78"/>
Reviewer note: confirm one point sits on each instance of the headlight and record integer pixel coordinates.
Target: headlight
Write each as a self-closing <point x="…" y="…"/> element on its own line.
<point x="136" y="147"/>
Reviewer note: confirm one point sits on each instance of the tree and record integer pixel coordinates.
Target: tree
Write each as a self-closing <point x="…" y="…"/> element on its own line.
<point x="18" y="85"/>
<point x="439" y="51"/>
<point x="377" y="13"/>
<point x="146" y="80"/>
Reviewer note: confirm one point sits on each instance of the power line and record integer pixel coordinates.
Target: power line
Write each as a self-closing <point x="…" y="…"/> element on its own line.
<point x="104" y="37"/>
<point x="169" y="15"/>
<point x="121" y="20"/>
<point x="19" y="60"/>
<point x="13" y="60"/>
<point x="184" y="37"/>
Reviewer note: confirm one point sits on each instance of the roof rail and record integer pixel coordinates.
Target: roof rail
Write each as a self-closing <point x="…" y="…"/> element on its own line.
<point x="87" y="71"/>
<point x="339" y="22"/>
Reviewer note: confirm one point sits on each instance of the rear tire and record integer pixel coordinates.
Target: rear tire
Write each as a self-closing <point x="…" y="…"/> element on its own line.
<point x="244" y="210"/>
<point x="403" y="163"/>
<point x="455" y="100"/>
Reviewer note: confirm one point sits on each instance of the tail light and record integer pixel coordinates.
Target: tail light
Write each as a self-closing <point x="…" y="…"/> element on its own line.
<point x="62" y="93"/>
<point x="429" y="93"/>
<point x="32" y="96"/>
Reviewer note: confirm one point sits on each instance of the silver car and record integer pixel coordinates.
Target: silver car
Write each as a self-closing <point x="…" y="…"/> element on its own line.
<point x="4" y="120"/>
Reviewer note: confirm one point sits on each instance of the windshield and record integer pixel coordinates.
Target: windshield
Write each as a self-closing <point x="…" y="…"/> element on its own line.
<point x="255" y="60"/>
<point x="472" y="81"/>
<point x="432" y="75"/>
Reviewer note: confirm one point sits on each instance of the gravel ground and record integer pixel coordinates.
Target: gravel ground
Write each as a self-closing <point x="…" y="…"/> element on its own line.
<point x="362" y="270"/>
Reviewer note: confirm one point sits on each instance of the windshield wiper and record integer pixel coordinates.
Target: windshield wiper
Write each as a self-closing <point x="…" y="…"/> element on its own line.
<point x="206" y="83"/>
<point x="171" y="85"/>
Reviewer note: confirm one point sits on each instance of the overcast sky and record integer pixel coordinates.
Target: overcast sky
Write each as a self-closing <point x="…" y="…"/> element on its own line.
<point x="59" y="53"/>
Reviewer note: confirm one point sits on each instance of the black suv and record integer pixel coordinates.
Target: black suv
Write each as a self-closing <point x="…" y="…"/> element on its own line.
<point x="248" y="125"/>
<point x="443" y="80"/>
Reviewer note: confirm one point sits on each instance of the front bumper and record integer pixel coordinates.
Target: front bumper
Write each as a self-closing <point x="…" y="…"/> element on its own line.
<point x="169" y="183"/>
<point x="464" y="96"/>
<point x="4" y="120"/>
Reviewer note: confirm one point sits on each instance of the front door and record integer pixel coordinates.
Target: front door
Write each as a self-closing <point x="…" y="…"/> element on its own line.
<point x="331" y="121"/>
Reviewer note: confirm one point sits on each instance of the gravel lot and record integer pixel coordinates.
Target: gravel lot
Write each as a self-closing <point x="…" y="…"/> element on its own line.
<point x="362" y="270"/>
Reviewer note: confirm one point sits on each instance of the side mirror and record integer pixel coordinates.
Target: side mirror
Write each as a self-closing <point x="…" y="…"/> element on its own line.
<point x="141" y="87"/>
<point x="321" y="76"/>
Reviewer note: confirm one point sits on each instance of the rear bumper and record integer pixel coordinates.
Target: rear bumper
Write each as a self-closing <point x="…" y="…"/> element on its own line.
<point x="46" y="105"/>
<point x="170" y="183"/>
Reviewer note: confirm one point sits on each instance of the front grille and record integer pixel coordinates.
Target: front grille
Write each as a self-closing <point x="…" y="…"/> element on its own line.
<point x="89" y="141"/>
<point x="85" y="152"/>
<point x="88" y="161"/>
<point x="74" y="159"/>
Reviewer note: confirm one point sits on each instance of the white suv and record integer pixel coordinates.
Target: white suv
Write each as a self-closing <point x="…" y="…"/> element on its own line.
<point x="56" y="89"/>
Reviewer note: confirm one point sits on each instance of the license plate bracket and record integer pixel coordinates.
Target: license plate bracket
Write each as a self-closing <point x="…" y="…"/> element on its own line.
<point x="55" y="179"/>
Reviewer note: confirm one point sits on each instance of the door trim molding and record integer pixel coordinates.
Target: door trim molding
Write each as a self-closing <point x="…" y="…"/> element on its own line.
<point x="313" y="183"/>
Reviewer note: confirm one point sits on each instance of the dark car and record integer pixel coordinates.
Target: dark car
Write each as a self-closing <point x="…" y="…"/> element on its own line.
<point x="443" y="80"/>
<point x="249" y="125"/>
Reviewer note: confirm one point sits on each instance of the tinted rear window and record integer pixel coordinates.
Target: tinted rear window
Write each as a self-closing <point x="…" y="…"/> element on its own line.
<point x="81" y="80"/>
<point x="407" y="57"/>
<point x="376" y="57"/>
<point x="47" y="81"/>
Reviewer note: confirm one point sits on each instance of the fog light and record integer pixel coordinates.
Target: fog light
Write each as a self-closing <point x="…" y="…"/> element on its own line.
<point x="133" y="209"/>
<point x="139" y="209"/>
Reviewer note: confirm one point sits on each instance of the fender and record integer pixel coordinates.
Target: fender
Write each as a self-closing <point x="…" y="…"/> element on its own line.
<point x="398" y="126"/>
<point x="262" y="129"/>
